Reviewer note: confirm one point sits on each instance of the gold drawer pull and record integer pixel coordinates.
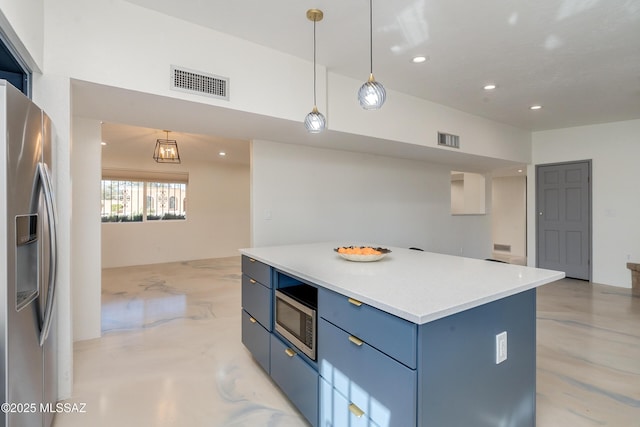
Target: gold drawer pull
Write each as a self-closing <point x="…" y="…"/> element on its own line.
<point x="355" y="340"/>
<point x="253" y="282"/>
<point x="355" y="302"/>
<point x="290" y="352"/>
<point x="353" y="408"/>
<point x="252" y="260"/>
<point x="252" y="320"/>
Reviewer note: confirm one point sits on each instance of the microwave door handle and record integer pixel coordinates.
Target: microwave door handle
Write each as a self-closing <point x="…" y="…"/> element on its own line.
<point x="47" y="190"/>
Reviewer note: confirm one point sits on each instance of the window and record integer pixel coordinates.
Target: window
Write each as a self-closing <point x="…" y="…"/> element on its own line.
<point x="122" y="201"/>
<point x="163" y="196"/>
<point x="143" y="197"/>
<point x="12" y="67"/>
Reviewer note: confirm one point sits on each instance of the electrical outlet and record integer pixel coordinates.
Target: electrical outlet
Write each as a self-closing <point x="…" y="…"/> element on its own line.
<point x="501" y="347"/>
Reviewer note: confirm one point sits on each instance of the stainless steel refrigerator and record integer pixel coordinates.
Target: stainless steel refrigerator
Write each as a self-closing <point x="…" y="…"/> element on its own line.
<point x="27" y="264"/>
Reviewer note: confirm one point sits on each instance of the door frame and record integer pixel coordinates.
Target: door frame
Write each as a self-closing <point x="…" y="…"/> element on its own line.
<point x="589" y="163"/>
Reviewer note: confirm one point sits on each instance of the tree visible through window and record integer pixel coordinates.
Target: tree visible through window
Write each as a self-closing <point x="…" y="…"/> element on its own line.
<point x="137" y="201"/>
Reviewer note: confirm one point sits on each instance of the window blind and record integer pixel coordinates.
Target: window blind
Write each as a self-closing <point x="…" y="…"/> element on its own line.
<point x="146" y="176"/>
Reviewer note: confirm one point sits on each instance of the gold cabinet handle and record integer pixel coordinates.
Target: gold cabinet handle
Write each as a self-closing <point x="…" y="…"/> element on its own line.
<point x="355" y="340"/>
<point x="252" y="320"/>
<point x="252" y="260"/>
<point x="290" y="352"/>
<point x="355" y="302"/>
<point x="353" y="408"/>
<point x="253" y="282"/>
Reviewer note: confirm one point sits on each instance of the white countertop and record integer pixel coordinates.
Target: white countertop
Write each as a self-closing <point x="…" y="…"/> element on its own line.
<point x="417" y="286"/>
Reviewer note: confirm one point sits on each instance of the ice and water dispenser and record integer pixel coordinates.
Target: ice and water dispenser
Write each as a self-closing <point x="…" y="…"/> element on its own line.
<point x="26" y="259"/>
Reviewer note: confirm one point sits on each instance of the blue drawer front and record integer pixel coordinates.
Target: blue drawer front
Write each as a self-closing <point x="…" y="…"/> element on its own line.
<point x="256" y="339"/>
<point x="296" y="379"/>
<point x="256" y="300"/>
<point x="379" y="385"/>
<point x="335" y="412"/>
<point x="256" y="270"/>
<point x="388" y="333"/>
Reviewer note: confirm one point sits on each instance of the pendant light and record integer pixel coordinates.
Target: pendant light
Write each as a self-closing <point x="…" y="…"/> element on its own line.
<point x="371" y="94"/>
<point x="166" y="150"/>
<point x="315" y="121"/>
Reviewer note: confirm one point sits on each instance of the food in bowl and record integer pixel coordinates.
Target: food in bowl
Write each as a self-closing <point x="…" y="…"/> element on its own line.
<point x="359" y="250"/>
<point x="362" y="253"/>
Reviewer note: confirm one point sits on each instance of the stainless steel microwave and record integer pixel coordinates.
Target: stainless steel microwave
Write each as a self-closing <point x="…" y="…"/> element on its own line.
<point x="295" y="317"/>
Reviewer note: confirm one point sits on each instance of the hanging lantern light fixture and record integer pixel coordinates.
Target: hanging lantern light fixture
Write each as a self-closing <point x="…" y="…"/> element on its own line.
<point x="166" y="150"/>
<point x="371" y="94"/>
<point x="315" y="121"/>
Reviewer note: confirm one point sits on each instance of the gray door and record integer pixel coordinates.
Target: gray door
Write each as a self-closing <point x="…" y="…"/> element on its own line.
<point x="563" y="202"/>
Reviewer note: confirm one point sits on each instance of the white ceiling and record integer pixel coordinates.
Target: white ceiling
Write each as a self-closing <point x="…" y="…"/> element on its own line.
<point x="580" y="59"/>
<point x="139" y="143"/>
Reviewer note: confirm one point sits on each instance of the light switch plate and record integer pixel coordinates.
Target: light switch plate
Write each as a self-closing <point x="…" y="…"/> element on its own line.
<point x="501" y="347"/>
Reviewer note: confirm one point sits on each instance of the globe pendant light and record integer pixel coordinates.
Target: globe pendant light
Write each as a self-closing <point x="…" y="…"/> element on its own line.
<point x="315" y="121"/>
<point x="371" y="94"/>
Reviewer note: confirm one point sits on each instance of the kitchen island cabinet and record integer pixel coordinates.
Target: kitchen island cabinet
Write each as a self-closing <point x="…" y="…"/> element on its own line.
<point x="414" y="339"/>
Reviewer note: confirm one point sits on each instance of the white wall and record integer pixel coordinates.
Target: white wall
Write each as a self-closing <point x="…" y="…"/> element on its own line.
<point x="123" y="45"/>
<point x="468" y="193"/>
<point x="303" y="194"/>
<point x="217" y="223"/>
<point x="457" y="195"/>
<point x="23" y="24"/>
<point x="416" y="121"/>
<point x="614" y="149"/>
<point x="85" y="248"/>
<point x="508" y="208"/>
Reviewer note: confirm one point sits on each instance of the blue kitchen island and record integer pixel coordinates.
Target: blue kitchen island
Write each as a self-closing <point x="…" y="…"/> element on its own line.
<point x="414" y="339"/>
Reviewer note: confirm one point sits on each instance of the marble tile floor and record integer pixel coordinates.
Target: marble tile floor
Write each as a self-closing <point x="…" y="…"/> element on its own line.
<point x="171" y="355"/>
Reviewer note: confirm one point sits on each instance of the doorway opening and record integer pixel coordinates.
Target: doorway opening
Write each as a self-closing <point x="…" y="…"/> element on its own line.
<point x="509" y="215"/>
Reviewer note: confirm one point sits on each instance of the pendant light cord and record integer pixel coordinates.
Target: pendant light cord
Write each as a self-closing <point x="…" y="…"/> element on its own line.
<point x="314" y="63"/>
<point x="371" y="35"/>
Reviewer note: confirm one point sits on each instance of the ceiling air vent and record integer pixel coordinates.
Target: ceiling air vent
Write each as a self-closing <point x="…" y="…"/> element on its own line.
<point x="199" y="83"/>
<point x="448" y="140"/>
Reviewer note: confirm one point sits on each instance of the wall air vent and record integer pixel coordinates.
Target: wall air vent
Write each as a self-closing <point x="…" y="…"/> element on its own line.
<point x="199" y="83"/>
<point x="448" y="140"/>
<point x="501" y="247"/>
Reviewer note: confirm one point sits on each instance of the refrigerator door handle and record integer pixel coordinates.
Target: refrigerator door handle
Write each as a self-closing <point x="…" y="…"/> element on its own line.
<point x="45" y="180"/>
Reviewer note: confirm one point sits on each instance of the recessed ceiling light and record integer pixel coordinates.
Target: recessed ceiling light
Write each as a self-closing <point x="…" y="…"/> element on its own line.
<point x="490" y="87"/>
<point x="222" y="154"/>
<point x="103" y="143"/>
<point x="535" y="107"/>
<point x="519" y="170"/>
<point x="418" y="59"/>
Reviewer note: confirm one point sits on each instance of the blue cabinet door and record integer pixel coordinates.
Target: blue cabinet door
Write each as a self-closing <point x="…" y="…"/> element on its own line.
<point x="256" y="339"/>
<point x="296" y="379"/>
